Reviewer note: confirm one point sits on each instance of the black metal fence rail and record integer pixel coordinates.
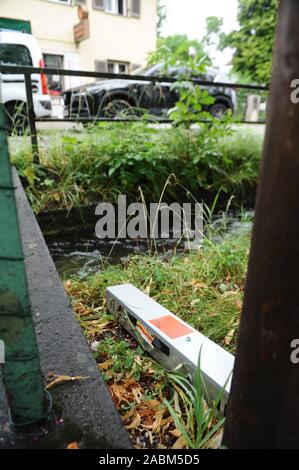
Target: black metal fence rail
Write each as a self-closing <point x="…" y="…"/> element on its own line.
<point x="29" y="71"/>
<point x="79" y="73"/>
<point x="149" y="120"/>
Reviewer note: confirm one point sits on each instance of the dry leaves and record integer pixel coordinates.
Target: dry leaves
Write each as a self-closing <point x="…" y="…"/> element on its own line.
<point x="180" y="443"/>
<point x="104" y="366"/>
<point x="229" y="337"/>
<point x="176" y="433"/>
<point x="229" y="293"/>
<point x="73" y="445"/>
<point x="55" y="380"/>
<point x="198" y="285"/>
<point x="147" y="417"/>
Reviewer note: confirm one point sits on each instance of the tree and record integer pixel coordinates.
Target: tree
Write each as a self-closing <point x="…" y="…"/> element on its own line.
<point x="180" y="48"/>
<point x="253" y="42"/>
<point x="190" y="60"/>
<point x="161" y="17"/>
<point x="214" y="26"/>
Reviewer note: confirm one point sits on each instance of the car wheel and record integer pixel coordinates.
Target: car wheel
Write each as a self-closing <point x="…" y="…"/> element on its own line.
<point x="218" y="110"/>
<point x="17" y="117"/>
<point x="118" y="108"/>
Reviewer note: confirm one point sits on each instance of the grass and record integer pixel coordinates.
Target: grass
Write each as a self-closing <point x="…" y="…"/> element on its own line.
<point x="205" y="288"/>
<point x="113" y="159"/>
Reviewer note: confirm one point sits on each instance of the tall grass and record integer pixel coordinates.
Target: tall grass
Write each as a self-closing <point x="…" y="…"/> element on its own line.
<point x="204" y="288"/>
<point x="113" y="159"/>
<point x="201" y="421"/>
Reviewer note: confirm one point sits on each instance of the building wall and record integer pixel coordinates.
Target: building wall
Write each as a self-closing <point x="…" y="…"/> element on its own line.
<point x="112" y="37"/>
<point x="120" y="38"/>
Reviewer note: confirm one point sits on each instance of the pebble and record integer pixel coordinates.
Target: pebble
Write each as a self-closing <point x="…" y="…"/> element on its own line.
<point x="95" y="346"/>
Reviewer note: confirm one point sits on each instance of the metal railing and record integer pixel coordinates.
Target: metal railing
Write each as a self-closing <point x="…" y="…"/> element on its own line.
<point x="22" y="375"/>
<point x="29" y="71"/>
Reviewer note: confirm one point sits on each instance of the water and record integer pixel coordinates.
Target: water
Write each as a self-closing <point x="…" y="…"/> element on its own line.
<point x="85" y="254"/>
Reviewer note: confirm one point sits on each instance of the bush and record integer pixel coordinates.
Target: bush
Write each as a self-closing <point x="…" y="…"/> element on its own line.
<point x="113" y="159"/>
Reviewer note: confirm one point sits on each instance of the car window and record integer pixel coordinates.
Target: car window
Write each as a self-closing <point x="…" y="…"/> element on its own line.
<point x="180" y="72"/>
<point x="155" y="71"/>
<point x="147" y="71"/>
<point x="15" y="54"/>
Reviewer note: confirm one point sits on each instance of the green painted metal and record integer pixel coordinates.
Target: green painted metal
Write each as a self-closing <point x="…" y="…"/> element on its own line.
<point x="22" y="376"/>
<point x="15" y="25"/>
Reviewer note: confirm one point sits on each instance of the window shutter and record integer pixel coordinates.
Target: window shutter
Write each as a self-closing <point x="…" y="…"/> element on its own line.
<point x="100" y="66"/>
<point x="98" y="4"/>
<point x="136" y="8"/>
<point x="134" y="67"/>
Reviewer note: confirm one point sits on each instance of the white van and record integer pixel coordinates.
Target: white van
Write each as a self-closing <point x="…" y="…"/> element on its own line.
<point x="22" y="49"/>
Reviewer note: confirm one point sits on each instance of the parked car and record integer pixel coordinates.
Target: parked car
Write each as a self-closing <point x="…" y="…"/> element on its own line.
<point x="22" y="49"/>
<point x="110" y="98"/>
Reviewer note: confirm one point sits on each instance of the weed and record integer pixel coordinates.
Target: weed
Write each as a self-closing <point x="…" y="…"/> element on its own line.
<point x="113" y="159"/>
<point x="205" y="288"/>
<point x="201" y="416"/>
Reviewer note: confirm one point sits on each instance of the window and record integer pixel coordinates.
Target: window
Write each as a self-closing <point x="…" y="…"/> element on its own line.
<point x="64" y="2"/>
<point x="116" y="7"/>
<point x="15" y="54"/>
<point x="98" y="4"/>
<point x="117" y="67"/>
<point x="55" y="82"/>
<point x="136" y="8"/>
<point x="100" y="66"/>
<point x="111" y="66"/>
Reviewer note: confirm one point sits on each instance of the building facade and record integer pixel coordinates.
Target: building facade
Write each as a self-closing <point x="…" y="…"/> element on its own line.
<point x="102" y="35"/>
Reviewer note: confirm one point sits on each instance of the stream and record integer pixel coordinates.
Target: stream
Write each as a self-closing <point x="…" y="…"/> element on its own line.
<point x="83" y="254"/>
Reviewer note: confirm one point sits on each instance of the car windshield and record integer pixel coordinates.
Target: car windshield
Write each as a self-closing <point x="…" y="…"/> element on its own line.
<point x="173" y="71"/>
<point x="149" y="71"/>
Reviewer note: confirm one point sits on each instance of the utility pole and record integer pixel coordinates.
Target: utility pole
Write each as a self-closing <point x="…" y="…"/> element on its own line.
<point x="263" y="409"/>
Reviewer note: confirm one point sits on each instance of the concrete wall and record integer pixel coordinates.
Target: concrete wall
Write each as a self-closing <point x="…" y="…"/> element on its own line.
<point x="112" y="37"/>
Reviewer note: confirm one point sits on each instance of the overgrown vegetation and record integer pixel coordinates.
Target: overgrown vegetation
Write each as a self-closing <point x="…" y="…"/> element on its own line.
<point x="113" y="159"/>
<point x="253" y="41"/>
<point x="205" y="288"/>
<point x="188" y="58"/>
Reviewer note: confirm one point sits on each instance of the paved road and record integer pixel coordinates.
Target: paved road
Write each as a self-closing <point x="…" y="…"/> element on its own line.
<point x="73" y="126"/>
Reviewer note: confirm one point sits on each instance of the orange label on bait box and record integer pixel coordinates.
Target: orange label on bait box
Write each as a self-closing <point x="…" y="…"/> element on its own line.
<point x="172" y="327"/>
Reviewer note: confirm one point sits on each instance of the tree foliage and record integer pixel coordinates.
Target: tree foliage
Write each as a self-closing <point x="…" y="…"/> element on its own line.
<point x="214" y="26"/>
<point x="161" y="17"/>
<point x="253" y="42"/>
<point x="179" y="47"/>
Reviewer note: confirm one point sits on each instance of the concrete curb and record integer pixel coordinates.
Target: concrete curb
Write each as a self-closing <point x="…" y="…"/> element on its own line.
<point x="88" y="413"/>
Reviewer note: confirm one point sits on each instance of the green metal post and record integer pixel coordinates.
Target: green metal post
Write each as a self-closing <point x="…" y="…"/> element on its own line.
<point x="22" y="376"/>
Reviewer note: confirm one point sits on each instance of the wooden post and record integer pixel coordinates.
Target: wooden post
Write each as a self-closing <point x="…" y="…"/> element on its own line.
<point x="253" y="108"/>
<point x="263" y="410"/>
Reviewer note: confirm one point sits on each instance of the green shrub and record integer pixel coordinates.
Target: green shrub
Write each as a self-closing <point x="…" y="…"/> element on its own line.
<point x="113" y="159"/>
